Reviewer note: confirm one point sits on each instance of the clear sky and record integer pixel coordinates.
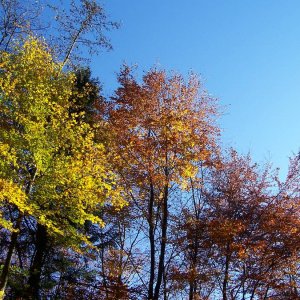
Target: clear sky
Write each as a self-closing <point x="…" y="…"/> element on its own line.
<point x="247" y="53"/>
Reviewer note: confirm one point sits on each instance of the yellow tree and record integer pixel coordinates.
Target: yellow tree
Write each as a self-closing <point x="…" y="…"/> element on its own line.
<point x="50" y="166"/>
<point x="161" y="129"/>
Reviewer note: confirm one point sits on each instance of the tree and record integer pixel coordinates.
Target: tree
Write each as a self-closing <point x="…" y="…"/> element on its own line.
<point x="51" y="168"/>
<point x="86" y="92"/>
<point x="160" y="129"/>
<point x="81" y="25"/>
<point x="71" y="27"/>
<point x="18" y="19"/>
<point x="238" y="233"/>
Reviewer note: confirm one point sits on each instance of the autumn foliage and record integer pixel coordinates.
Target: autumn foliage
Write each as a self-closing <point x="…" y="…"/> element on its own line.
<point x="133" y="196"/>
<point x="160" y="131"/>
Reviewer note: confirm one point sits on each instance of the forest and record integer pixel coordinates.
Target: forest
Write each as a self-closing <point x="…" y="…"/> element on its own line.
<point x="132" y="195"/>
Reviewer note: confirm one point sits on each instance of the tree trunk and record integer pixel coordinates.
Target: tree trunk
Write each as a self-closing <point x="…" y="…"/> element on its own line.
<point x="192" y="289"/>
<point x="193" y="282"/>
<point x="161" y="265"/>
<point x="152" y="243"/>
<point x="35" y="271"/>
<point x="226" y="274"/>
<point x="12" y="246"/>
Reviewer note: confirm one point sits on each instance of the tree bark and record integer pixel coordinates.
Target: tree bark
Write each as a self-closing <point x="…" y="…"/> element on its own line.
<point x="161" y="265"/>
<point x="226" y="274"/>
<point x="34" y="281"/>
<point x="152" y="243"/>
<point x="12" y="246"/>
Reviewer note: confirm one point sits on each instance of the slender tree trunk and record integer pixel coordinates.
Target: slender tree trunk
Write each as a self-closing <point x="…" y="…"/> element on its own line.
<point x="192" y="289"/>
<point x="72" y="45"/>
<point x="243" y="283"/>
<point x="13" y="241"/>
<point x="256" y="284"/>
<point x="165" y="286"/>
<point x="266" y="293"/>
<point x="193" y="282"/>
<point x="161" y="264"/>
<point x="152" y="243"/>
<point x="12" y="246"/>
<point x="105" y="285"/>
<point x="226" y="274"/>
<point x="34" y="281"/>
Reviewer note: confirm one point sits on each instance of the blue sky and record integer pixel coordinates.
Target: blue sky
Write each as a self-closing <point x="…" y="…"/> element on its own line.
<point x="247" y="53"/>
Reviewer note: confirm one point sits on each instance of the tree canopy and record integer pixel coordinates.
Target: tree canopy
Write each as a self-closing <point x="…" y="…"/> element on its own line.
<point x="132" y="195"/>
